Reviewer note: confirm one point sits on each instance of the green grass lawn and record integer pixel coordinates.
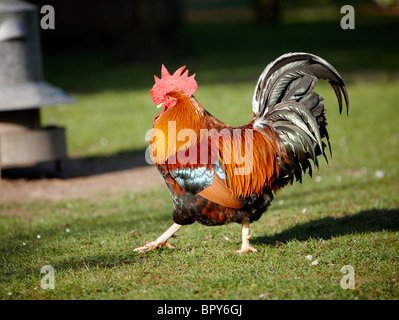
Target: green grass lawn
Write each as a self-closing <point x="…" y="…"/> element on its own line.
<point x="346" y="215"/>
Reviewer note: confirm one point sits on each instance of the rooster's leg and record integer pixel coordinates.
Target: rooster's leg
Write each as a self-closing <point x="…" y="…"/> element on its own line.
<point x="161" y="241"/>
<point x="245" y="247"/>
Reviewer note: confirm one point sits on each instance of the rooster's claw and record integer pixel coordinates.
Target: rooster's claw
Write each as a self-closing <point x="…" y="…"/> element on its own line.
<point x="153" y="245"/>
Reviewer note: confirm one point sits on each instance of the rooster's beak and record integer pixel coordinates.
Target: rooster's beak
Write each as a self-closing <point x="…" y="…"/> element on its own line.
<point x="160" y="106"/>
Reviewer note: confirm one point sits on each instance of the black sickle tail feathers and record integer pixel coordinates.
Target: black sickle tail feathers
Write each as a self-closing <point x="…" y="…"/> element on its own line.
<point x="284" y="99"/>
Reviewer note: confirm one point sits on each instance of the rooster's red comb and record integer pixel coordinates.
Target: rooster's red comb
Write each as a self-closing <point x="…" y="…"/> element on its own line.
<point x="169" y="83"/>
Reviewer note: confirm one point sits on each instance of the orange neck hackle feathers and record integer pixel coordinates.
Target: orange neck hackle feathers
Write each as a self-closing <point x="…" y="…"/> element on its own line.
<point x="186" y="114"/>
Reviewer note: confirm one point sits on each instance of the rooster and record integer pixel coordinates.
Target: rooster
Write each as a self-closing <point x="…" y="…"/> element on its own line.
<point x="217" y="174"/>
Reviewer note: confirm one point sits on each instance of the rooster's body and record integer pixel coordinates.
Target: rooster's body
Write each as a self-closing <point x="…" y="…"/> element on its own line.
<point x="219" y="174"/>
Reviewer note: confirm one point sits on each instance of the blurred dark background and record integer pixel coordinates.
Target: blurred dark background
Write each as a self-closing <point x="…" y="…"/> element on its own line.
<point x="225" y="39"/>
<point x="126" y="27"/>
<point x="147" y="30"/>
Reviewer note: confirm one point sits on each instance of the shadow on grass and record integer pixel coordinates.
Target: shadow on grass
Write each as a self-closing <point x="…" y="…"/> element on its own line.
<point x="373" y="220"/>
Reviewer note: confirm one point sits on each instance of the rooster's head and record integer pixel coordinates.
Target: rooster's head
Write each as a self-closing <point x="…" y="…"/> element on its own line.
<point x="170" y="83"/>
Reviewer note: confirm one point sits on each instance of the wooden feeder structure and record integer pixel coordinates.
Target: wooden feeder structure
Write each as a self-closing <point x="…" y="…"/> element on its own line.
<point x="23" y="91"/>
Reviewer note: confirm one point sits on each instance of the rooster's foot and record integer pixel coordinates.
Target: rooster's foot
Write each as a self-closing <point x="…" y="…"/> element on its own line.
<point x="246" y="249"/>
<point x="161" y="241"/>
<point x="153" y="245"/>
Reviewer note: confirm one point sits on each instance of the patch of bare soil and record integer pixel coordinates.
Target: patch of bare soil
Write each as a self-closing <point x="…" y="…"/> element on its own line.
<point x="78" y="178"/>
